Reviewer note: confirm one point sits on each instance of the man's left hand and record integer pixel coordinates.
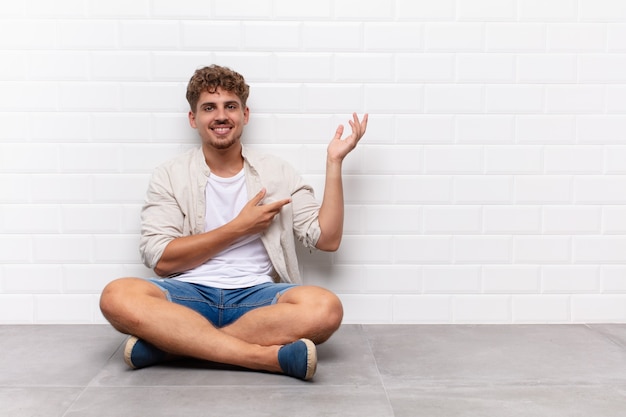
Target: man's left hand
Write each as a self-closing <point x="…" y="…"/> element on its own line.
<point x="338" y="147"/>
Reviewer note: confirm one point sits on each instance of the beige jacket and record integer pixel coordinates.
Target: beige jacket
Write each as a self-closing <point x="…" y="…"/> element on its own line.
<point x="175" y="207"/>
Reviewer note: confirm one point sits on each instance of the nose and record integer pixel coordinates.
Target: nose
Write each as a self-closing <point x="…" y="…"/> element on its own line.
<point x="220" y="114"/>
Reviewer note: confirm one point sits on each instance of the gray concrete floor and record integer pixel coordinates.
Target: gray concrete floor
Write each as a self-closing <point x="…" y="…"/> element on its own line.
<point x="364" y="370"/>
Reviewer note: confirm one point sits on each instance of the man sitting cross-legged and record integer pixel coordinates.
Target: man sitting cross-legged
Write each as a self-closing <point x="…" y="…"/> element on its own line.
<point x="219" y="228"/>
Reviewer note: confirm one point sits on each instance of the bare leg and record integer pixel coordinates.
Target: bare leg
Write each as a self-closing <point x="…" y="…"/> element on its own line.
<point x="301" y="312"/>
<point x="138" y="307"/>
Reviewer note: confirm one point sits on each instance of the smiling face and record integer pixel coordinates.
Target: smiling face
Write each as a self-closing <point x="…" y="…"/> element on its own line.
<point x="219" y="118"/>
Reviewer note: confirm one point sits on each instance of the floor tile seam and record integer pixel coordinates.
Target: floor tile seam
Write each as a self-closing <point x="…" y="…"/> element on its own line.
<point x="97" y="374"/>
<point x="606" y="335"/>
<point x="380" y="377"/>
<point x="502" y="384"/>
<point x="76" y="399"/>
<point x="441" y="384"/>
<point x="46" y="386"/>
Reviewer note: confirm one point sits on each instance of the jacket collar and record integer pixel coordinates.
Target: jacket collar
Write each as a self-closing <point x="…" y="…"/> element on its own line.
<point x="250" y="157"/>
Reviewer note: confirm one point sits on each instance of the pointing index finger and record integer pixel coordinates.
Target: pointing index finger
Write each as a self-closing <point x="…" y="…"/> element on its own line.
<point x="277" y="205"/>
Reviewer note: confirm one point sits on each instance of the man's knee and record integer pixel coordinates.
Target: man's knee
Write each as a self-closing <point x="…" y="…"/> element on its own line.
<point x="112" y="300"/>
<point x="119" y="299"/>
<point x="326" y="313"/>
<point x="332" y="309"/>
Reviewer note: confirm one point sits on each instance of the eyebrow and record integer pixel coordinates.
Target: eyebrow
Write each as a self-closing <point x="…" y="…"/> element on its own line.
<point x="213" y="103"/>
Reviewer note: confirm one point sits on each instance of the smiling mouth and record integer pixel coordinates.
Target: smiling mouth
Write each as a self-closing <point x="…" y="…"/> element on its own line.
<point x="221" y="130"/>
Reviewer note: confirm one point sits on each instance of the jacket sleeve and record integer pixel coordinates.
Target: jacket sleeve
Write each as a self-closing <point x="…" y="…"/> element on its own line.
<point x="162" y="219"/>
<point x="305" y="208"/>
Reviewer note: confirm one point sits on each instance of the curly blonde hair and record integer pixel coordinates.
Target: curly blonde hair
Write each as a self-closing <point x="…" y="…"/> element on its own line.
<point x="213" y="77"/>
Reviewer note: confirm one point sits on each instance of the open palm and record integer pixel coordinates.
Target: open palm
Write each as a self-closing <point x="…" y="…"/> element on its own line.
<point x="338" y="147"/>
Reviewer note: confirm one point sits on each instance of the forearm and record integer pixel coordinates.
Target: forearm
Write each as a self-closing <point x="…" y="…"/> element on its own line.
<point x="331" y="212"/>
<point x="185" y="253"/>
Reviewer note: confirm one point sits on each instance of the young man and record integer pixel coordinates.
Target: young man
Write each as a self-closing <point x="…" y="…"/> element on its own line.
<point x="219" y="226"/>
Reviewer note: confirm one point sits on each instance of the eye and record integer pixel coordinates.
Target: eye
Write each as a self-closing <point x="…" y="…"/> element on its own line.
<point x="231" y="107"/>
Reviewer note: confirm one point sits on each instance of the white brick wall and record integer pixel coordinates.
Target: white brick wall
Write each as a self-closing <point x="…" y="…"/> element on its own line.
<point x="490" y="188"/>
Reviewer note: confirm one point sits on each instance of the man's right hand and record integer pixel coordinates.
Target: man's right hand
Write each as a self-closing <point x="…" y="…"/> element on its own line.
<point x="256" y="217"/>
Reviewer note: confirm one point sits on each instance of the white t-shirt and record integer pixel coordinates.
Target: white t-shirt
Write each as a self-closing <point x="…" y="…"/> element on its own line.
<point x="243" y="264"/>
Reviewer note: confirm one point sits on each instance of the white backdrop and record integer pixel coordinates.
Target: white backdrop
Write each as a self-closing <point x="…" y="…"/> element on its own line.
<point x="490" y="187"/>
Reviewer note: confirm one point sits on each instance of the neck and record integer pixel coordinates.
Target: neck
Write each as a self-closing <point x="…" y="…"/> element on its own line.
<point x="224" y="162"/>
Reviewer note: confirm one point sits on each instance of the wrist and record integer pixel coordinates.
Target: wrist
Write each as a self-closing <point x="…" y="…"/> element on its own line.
<point x="333" y="161"/>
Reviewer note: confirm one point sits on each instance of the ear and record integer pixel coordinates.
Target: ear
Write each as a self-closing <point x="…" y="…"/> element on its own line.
<point x="246" y="115"/>
<point x="192" y="119"/>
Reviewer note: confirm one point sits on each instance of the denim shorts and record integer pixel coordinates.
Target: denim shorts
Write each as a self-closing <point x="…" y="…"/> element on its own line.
<point x="221" y="306"/>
